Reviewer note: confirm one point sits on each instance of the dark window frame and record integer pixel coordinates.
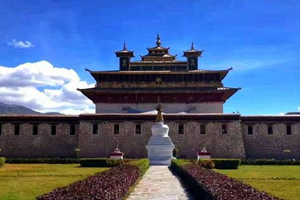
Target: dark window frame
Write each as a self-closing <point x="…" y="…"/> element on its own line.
<point x="180" y="129"/>
<point x="53" y="130"/>
<point x="35" y="129"/>
<point x="72" y="130"/>
<point x="224" y="129"/>
<point x="250" y="129"/>
<point x="138" y="129"/>
<point x="270" y="129"/>
<point x="95" y="129"/>
<point x="202" y="129"/>
<point x="289" y="129"/>
<point x="17" y="129"/>
<point x="116" y="129"/>
<point x="0" y="129"/>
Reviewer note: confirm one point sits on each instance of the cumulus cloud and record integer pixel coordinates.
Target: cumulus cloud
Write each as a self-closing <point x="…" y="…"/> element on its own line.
<point x="45" y="88"/>
<point x="20" y="44"/>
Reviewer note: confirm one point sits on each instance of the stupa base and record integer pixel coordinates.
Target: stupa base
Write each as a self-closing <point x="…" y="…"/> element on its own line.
<point x="160" y="162"/>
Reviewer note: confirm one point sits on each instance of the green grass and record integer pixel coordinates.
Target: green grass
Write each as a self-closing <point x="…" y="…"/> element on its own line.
<point x="26" y="181"/>
<point x="280" y="181"/>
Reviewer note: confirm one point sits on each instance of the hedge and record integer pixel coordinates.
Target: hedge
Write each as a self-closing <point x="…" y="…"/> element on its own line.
<point x="2" y="161"/>
<point x="42" y="160"/>
<point x="109" y="185"/>
<point x="99" y="162"/>
<point x="207" y="184"/>
<point x="227" y="163"/>
<point x="270" y="162"/>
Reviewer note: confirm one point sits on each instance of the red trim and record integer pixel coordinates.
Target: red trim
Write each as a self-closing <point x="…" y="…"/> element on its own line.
<point x="204" y="154"/>
<point x="117" y="154"/>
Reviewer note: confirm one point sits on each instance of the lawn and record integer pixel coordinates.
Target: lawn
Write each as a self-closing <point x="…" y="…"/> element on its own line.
<point x="26" y="181"/>
<point x="280" y="181"/>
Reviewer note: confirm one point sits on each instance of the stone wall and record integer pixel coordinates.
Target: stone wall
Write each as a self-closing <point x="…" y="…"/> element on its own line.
<point x="236" y="143"/>
<point x="228" y="145"/>
<point x="216" y="107"/>
<point x="41" y="145"/>
<point x="278" y="145"/>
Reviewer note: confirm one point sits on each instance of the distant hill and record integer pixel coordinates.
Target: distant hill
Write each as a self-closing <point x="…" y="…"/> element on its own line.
<point x="17" y="109"/>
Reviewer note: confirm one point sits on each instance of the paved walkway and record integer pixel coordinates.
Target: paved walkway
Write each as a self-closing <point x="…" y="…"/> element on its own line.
<point x="159" y="184"/>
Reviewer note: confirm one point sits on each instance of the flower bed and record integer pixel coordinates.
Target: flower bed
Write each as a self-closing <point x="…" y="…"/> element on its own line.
<point x="207" y="184"/>
<point x="109" y="185"/>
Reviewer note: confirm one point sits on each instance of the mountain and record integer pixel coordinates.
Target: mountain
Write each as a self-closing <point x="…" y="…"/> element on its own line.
<point x="17" y="109"/>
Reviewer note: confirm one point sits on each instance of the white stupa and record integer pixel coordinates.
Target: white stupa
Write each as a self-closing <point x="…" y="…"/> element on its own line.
<point x="160" y="146"/>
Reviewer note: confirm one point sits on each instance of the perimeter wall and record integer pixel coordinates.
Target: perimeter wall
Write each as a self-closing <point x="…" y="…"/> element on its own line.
<point x="97" y="135"/>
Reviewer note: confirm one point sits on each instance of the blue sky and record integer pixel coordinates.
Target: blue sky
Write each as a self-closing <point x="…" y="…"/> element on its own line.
<point x="259" y="39"/>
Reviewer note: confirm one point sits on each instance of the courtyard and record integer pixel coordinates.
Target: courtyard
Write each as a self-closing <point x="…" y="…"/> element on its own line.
<point x="26" y="181"/>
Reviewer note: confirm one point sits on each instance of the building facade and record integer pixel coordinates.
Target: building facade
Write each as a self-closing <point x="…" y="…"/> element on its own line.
<point x="192" y="101"/>
<point x="97" y="135"/>
<point x="138" y="86"/>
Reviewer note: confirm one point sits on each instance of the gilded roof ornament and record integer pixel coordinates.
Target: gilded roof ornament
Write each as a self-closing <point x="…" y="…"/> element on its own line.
<point x="192" y="47"/>
<point x="159" y="116"/>
<point x="124" y="47"/>
<point x="158" y="43"/>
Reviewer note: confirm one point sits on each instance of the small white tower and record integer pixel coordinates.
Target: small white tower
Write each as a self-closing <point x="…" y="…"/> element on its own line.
<point x="160" y="146"/>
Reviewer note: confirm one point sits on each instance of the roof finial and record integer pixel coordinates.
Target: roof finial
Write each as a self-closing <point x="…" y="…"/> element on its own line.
<point x="192" y="47"/>
<point x="159" y="116"/>
<point x="158" y="43"/>
<point x="124" y="48"/>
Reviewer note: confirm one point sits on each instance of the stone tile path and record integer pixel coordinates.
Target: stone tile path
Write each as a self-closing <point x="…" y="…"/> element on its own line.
<point x="159" y="184"/>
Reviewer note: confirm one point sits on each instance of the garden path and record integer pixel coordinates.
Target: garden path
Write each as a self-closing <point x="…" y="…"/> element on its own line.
<point x="159" y="184"/>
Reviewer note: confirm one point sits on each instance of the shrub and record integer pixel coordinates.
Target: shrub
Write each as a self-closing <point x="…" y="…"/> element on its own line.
<point x="109" y="185"/>
<point x="99" y="162"/>
<point x="2" y="161"/>
<point x="207" y="184"/>
<point x="227" y="163"/>
<point x="42" y="160"/>
<point x="270" y="162"/>
<point x="175" y="152"/>
<point x="208" y="164"/>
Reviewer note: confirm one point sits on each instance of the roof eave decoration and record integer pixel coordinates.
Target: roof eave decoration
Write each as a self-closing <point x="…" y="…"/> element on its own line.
<point x="124" y="52"/>
<point x="192" y="52"/>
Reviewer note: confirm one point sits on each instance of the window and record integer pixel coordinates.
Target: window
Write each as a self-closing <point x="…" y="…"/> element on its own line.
<point x="202" y="129"/>
<point x="180" y="129"/>
<point x="116" y="129"/>
<point x="35" y="129"/>
<point x="270" y="129"/>
<point x="72" y="130"/>
<point x="0" y="129"/>
<point x="53" y="130"/>
<point x="250" y="129"/>
<point x="137" y="129"/>
<point x="224" y="128"/>
<point x="289" y="129"/>
<point x="17" y="130"/>
<point x="95" y="128"/>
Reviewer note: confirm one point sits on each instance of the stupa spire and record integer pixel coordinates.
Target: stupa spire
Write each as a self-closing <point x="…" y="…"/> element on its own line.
<point x="158" y="43"/>
<point x="159" y="116"/>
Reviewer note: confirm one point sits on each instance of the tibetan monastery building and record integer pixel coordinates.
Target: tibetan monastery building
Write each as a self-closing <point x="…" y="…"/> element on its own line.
<point x="126" y="99"/>
<point x="138" y="86"/>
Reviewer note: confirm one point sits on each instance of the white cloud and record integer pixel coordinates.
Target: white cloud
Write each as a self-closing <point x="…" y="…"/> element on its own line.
<point x="45" y="88"/>
<point x="20" y="44"/>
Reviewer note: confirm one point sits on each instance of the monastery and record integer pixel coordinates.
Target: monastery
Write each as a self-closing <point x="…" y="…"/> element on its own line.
<point x="126" y="99"/>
